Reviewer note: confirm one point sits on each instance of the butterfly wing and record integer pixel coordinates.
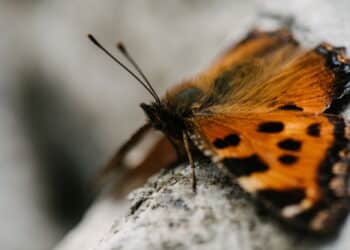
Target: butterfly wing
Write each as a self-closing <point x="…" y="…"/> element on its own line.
<point x="269" y="71"/>
<point x="310" y="82"/>
<point x="290" y="162"/>
<point x="257" y="56"/>
<point x="269" y="118"/>
<point x="275" y="47"/>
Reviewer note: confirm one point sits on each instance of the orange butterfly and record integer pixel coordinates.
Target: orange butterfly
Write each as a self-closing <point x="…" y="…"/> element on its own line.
<point x="267" y="113"/>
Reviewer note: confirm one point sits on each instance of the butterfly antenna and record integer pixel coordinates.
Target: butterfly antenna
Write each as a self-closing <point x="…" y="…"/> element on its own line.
<point x="150" y="90"/>
<point x="125" y="52"/>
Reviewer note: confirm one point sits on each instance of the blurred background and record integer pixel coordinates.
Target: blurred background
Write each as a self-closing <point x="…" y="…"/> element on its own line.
<point x="65" y="107"/>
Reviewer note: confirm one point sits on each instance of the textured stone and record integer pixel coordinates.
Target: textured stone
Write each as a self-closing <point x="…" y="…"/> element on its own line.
<point x="166" y="214"/>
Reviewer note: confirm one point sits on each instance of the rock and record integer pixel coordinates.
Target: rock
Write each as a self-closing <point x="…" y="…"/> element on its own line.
<point x="166" y="214"/>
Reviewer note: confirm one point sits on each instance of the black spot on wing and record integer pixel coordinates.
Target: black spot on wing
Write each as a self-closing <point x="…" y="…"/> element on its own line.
<point x="314" y="130"/>
<point x="281" y="198"/>
<point x="245" y="166"/>
<point x="230" y="140"/>
<point x="291" y="107"/>
<point x="290" y="144"/>
<point x="220" y="143"/>
<point x="270" y="127"/>
<point x="288" y="159"/>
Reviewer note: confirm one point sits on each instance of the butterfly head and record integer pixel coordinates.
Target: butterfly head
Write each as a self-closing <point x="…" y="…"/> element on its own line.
<point x="163" y="118"/>
<point x="161" y="115"/>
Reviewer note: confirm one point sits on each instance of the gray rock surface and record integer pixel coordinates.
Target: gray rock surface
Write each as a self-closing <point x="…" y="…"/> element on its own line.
<point x="165" y="214"/>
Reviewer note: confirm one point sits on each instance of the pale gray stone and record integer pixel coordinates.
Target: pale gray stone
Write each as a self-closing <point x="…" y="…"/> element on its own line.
<point x="166" y="214"/>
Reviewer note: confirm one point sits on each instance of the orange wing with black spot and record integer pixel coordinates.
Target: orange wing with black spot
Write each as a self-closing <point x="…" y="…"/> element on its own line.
<point x="268" y="71"/>
<point x="306" y="83"/>
<point x="270" y="118"/>
<point x="289" y="160"/>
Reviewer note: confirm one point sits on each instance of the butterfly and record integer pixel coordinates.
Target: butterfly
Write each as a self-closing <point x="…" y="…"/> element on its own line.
<point x="267" y="113"/>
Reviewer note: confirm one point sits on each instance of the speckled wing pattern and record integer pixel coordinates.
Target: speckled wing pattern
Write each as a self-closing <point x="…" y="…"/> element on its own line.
<point x="270" y="119"/>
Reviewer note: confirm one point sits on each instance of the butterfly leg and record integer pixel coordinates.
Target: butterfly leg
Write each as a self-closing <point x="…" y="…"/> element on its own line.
<point x="118" y="158"/>
<point x="161" y="155"/>
<point x="190" y="159"/>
